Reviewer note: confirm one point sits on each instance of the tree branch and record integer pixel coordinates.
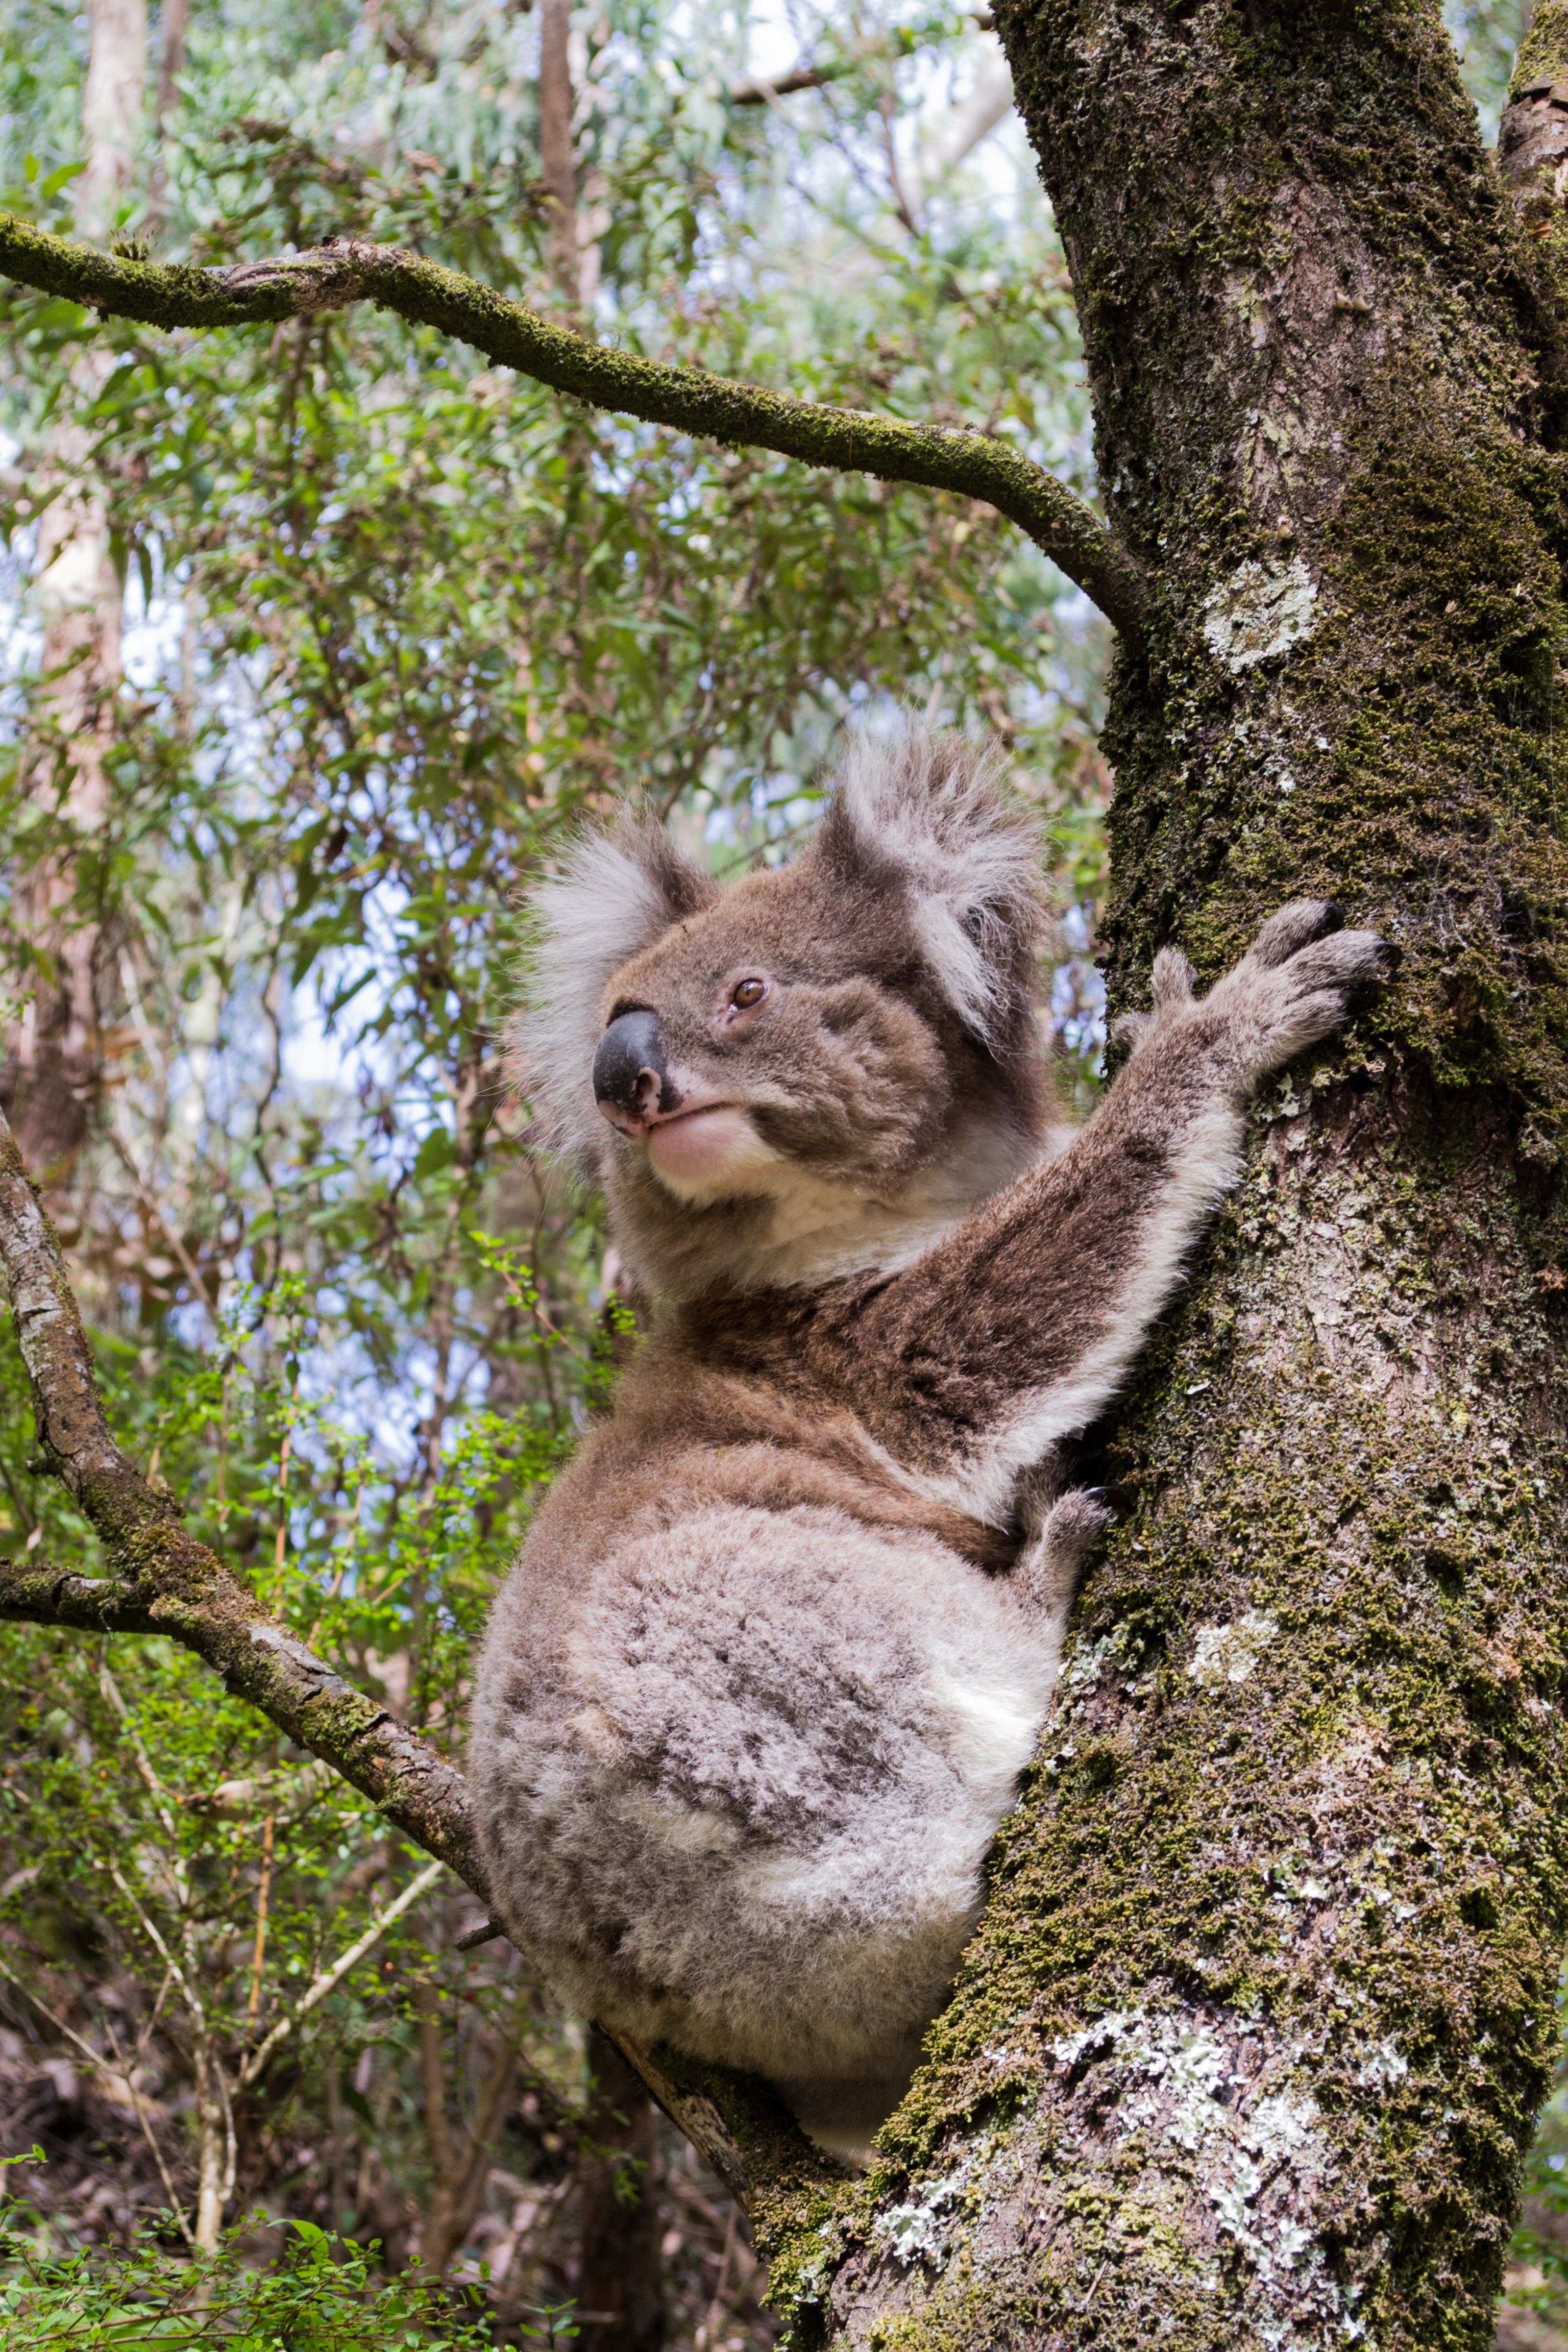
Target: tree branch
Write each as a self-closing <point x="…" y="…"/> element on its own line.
<point x="162" y="1582"/>
<point x="713" y="407"/>
<point x="762" y="93"/>
<point x="1531" y="151"/>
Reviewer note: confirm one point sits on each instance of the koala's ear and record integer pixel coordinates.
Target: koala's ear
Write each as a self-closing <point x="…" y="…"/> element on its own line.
<point x="617" y="892"/>
<point x="925" y="814"/>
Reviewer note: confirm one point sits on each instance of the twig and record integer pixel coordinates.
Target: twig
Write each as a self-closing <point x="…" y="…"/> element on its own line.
<point x="111" y="1692"/>
<point x="762" y="93"/>
<point x="340" y="1969"/>
<point x="150" y="1210"/>
<point x="714" y="407"/>
<point x="253" y="2005"/>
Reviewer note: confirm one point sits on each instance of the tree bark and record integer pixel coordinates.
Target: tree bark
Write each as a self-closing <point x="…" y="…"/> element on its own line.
<point x="53" y="1057"/>
<point x="1256" y="2025"/>
<point x="558" y="164"/>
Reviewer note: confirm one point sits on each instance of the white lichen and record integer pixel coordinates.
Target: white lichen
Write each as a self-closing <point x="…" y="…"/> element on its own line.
<point x="914" y="2232"/>
<point x="1383" y="2065"/>
<point x="1252" y="2150"/>
<point x="1229" y="1654"/>
<point x="1261" y="611"/>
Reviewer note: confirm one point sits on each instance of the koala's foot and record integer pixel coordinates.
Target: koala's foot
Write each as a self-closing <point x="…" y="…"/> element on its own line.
<point x="1293" y="986"/>
<point x="1048" y="1573"/>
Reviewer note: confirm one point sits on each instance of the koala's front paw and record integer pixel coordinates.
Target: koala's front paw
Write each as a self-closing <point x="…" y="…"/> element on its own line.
<point x="1294" y="986"/>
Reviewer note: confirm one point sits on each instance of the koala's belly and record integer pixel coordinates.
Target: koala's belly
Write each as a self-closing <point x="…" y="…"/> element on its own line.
<point x="744" y="1800"/>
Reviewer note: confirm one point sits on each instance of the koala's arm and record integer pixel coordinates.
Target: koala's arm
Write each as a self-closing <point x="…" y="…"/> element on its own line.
<point x="1020" y="1327"/>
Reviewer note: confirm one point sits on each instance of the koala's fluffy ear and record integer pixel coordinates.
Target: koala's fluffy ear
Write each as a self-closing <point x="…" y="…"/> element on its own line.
<point x="925" y="814"/>
<point x="618" y="890"/>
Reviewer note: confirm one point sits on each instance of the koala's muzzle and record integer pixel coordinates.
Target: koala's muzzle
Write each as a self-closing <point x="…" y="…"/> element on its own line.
<point x="631" y="1075"/>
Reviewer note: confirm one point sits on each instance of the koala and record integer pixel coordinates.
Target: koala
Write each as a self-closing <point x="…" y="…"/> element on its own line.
<point x="782" y="1639"/>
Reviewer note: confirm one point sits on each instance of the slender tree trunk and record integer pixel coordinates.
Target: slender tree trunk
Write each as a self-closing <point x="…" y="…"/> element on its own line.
<point x="1262" y="2010"/>
<point x="214" y="2149"/>
<point x="558" y="163"/>
<point x="620" y="2288"/>
<point x="52" y="1063"/>
<point x="173" y="24"/>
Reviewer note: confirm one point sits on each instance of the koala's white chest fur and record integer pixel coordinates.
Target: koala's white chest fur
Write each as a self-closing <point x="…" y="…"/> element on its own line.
<point x="763" y="1837"/>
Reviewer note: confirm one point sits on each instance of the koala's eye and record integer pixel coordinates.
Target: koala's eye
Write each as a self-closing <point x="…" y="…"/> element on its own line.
<point x="747" y="993"/>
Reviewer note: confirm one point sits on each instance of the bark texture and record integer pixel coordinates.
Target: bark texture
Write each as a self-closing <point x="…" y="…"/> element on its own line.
<point x="1256" y="2028"/>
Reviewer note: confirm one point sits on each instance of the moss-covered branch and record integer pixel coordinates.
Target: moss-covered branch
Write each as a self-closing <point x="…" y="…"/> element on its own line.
<point x="712" y="406"/>
<point x="162" y="1581"/>
<point x="1532" y="144"/>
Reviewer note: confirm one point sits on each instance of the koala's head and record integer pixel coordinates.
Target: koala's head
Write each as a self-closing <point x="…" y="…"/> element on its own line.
<point x="819" y="1068"/>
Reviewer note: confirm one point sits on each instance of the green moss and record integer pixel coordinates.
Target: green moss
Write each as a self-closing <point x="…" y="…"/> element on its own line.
<point x="606" y="376"/>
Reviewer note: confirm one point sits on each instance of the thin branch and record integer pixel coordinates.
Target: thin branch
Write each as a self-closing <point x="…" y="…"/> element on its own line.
<point x="340" y="1969"/>
<point x="713" y="407"/>
<point x="762" y="92"/>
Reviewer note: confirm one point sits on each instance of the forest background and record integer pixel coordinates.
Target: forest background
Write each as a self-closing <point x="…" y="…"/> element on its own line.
<point x="316" y="641"/>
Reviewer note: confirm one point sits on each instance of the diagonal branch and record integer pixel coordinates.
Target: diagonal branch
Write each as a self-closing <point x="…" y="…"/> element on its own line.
<point x="162" y="1581"/>
<point x="897" y="43"/>
<point x="1531" y="151"/>
<point x="713" y="407"/>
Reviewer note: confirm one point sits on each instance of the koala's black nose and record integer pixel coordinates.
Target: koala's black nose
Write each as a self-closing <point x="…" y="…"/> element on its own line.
<point x="630" y="1073"/>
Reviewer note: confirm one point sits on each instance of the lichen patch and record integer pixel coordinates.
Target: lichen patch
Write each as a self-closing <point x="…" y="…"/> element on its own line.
<point x="1229" y="1654"/>
<point x="1261" y="611"/>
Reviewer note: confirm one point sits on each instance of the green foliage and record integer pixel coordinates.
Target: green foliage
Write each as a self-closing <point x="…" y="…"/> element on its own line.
<point x="1538" y="2256"/>
<point x="1487" y="34"/>
<point x="323" y="2297"/>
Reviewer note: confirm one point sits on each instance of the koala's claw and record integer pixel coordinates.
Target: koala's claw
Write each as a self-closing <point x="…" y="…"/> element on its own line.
<point x="1171" y="982"/>
<point x="1294" y="928"/>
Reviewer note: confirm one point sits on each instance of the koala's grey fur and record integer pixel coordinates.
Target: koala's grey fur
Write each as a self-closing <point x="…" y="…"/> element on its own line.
<point x="781" y="1642"/>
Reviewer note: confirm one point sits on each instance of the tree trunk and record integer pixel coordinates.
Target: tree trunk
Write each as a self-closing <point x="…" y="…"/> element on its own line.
<point x="620" y="2288"/>
<point x="53" y="1058"/>
<point x="1261" y="2012"/>
<point x="558" y="163"/>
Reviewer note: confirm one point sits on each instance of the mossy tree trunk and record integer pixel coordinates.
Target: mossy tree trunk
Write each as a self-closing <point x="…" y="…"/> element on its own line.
<point x="1253" y="2033"/>
<point x="1258" y="2023"/>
